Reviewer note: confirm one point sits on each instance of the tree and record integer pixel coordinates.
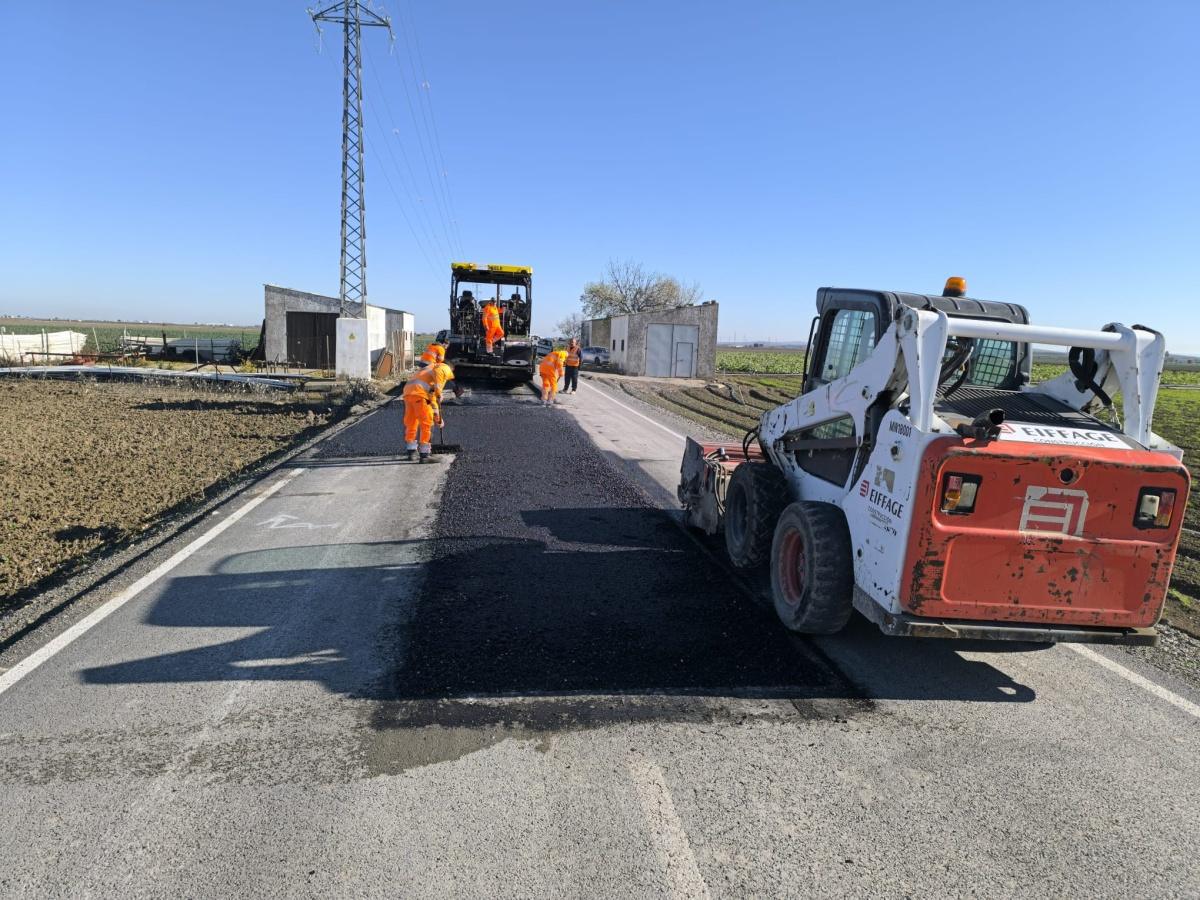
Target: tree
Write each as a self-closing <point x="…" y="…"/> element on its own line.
<point x="571" y="326"/>
<point x="628" y="288"/>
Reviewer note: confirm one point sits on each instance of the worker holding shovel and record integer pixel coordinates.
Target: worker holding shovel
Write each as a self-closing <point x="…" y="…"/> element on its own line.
<point x="422" y="408"/>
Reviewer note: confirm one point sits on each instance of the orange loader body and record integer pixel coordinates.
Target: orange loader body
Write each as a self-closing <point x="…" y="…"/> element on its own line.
<point x="1052" y="538"/>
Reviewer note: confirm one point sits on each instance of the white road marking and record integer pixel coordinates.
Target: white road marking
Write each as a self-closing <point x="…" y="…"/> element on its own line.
<point x="627" y="408"/>
<point x="39" y="656"/>
<point x="283" y="520"/>
<point x="670" y="838"/>
<point x="1144" y="683"/>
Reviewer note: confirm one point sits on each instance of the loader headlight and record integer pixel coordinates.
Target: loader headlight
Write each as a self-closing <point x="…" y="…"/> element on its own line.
<point x="1155" y="507"/>
<point x="959" y="493"/>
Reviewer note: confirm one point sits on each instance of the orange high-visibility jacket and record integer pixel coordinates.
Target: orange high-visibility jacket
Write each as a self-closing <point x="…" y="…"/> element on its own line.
<point x="428" y="383"/>
<point x="434" y="353"/>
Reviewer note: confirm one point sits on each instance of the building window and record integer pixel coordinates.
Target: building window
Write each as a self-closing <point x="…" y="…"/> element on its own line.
<point x="614" y="343"/>
<point x="622" y="345"/>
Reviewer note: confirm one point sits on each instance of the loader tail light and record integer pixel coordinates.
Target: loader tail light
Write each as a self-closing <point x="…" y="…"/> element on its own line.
<point x="1155" y="507"/>
<point x="959" y="493"/>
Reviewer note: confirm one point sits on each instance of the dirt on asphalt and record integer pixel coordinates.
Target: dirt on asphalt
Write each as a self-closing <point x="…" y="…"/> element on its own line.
<point x="86" y="466"/>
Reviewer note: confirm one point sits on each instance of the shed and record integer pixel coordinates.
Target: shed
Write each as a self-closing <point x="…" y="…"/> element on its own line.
<point x="678" y="342"/>
<point x="301" y="329"/>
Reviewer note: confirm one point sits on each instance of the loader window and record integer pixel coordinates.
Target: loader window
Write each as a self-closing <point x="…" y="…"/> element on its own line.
<point x="993" y="364"/>
<point x="851" y="339"/>
<point x="826" y="450"/>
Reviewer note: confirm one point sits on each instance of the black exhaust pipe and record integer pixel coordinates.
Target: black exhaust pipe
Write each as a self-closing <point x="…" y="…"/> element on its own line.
<point x="984" y="427"/>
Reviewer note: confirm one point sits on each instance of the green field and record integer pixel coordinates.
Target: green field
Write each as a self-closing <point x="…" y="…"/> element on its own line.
<point x="753" y="360"/>
<point x="756" y="359"/>
<point x="106" y="336"/>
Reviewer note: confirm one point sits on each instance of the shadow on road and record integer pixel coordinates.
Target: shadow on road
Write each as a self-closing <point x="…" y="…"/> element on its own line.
<point x="641" y="613"/>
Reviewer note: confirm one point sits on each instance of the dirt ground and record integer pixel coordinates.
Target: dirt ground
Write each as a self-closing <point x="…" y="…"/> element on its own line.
<point x="86" y="466"/>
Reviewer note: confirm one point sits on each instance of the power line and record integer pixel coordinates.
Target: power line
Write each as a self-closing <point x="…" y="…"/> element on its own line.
<point x="424" y="136"/>
<point x="424" y="82"/>
<point x="415" y="194"/>
<point x="416" y="240"/>
<point x="428" y="238"/>
<point x="430" y="235"/>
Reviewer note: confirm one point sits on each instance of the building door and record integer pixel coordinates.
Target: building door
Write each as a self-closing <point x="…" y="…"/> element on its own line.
<point x="684" y="355"/>
<point x="659" y="353"/>
<point x="686" y="338"/>
<point x="312" y="339"/>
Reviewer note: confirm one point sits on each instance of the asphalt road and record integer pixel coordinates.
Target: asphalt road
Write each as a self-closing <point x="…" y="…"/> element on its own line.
<point x="512" y="674"/>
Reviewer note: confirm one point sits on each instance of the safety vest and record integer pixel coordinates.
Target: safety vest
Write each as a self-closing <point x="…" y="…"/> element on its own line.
<point x="491" y="313"/>
<point x="573" y="358"/>
<point x="429" y="382"/>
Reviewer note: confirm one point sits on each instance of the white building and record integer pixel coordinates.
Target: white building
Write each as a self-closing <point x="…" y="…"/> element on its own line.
<point x="301" y="329"/>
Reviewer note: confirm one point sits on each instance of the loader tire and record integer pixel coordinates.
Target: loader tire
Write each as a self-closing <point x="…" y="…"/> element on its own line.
<point x="756" y="495"/>
<point x="812" y="568"/>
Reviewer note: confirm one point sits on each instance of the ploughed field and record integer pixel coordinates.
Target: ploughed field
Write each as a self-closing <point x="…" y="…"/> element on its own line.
<point x="86" y="466"/>
<point x="754" y="380"/>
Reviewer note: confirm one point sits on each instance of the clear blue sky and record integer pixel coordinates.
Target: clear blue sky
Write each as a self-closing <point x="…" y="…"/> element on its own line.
<point x="162" y="160"/>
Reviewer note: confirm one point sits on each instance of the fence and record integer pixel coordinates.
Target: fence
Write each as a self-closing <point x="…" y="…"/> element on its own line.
<point x="52" y="347"/>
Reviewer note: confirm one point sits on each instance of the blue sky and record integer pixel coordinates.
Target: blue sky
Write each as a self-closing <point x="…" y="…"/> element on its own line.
<point x="162" y="160"/>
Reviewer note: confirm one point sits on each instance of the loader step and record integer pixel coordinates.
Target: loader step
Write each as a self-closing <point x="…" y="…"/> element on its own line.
<point x="906" y="625"/>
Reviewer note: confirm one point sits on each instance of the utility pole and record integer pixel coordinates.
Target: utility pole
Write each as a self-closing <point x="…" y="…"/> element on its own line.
<point x="352" y="15"/>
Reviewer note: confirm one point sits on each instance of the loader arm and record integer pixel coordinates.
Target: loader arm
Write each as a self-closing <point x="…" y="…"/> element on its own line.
<point x="903" y="371"/>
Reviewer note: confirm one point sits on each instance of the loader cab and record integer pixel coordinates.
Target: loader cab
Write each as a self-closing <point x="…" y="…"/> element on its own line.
<point x="849" y="323"/>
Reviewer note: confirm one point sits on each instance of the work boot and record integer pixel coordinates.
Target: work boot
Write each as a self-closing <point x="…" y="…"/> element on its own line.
<point x="424" y="457"/>
<point x="410" y="455"/>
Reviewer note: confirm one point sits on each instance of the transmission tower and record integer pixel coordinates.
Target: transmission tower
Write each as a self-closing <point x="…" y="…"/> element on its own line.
<point x="352" y="15"/>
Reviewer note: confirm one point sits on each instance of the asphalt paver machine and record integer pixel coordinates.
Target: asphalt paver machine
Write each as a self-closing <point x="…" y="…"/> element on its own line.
<point x="513" y="358"/>
<point x="921" y="479"/>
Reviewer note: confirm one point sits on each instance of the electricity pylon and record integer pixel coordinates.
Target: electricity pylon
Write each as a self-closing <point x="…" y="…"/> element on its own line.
<point x="352" y="15"/>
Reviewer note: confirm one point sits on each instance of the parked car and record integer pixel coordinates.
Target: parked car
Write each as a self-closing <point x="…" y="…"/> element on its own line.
<point x="544" y="345"/>
<point x="595" y="355"/>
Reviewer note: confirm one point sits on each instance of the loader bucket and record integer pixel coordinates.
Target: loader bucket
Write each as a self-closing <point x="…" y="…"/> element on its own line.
<point x="704" y="476"/>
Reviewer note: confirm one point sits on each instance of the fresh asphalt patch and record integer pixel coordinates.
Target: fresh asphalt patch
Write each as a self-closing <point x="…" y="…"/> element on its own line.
<point x="557" y="597"/>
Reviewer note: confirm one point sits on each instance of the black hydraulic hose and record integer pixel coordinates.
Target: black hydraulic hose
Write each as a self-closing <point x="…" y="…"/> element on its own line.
<point x="752" y="433"/>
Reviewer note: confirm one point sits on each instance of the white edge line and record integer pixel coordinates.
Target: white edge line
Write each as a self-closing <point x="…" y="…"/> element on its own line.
<point x="628" y="408"/>
<point x="1144" y="683"/>
<point x="667" y="831"/>
<point x="48" y="650"/>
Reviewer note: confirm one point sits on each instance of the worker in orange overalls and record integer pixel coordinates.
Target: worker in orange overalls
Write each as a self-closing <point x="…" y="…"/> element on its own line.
<point x="573" y="359"/>
<point x="551" y="369"/>
<point x="434" y="353"/>
<point x="422" y="407"/>
<point x="492" y="331"/>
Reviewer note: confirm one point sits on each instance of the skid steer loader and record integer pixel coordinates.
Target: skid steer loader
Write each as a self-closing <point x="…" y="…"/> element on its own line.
<point x="922" y="480"/>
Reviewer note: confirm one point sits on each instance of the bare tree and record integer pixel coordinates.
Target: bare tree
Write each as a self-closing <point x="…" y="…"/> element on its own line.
<point x="571" y="326"/>
<point x="628" y="288"/>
